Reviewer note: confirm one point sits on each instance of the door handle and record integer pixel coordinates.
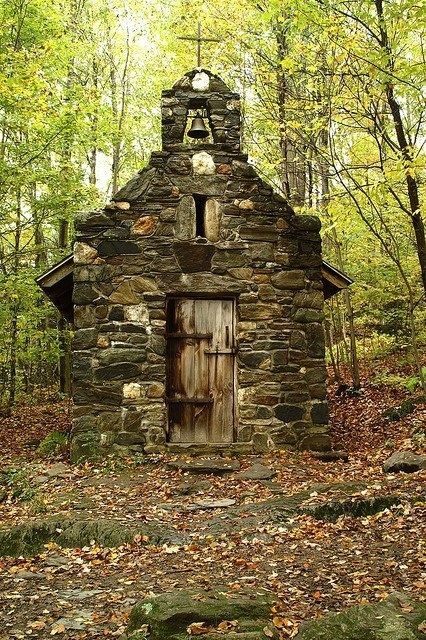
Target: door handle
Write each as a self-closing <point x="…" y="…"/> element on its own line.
<point x="218" y="352"/>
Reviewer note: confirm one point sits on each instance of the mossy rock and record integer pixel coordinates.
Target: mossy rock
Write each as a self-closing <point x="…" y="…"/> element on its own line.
<point x="405" y="408"/>
<point x="169" y="615"/>
<point x="28" y="539"/>
<point x="401" y="411"/>
<point x="398" y="618"/>
<point x="356" y="507"/>
<point x="245" y="635"/>
<point x="86" y="446"/>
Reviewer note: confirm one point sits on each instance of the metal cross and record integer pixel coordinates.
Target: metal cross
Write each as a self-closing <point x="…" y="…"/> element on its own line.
<point x="198" y="39"/>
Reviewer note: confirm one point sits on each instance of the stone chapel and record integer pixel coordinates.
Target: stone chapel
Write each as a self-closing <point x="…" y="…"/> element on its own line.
<point x="197" y="300"/>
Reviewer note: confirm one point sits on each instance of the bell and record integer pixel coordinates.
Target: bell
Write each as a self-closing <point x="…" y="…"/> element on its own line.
<point x="198" y="128"/>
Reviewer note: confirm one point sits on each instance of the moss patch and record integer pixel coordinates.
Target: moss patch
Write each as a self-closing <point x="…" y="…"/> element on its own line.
<point x="169" y="615"/>
<point x="356" y="507"/>
<point x="28" y="539"/>
<point x="396" y="619"/>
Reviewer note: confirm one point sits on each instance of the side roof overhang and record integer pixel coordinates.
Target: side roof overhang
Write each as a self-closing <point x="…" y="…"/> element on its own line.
<point x="333" y="280"/>
<point x="57" y="283"/>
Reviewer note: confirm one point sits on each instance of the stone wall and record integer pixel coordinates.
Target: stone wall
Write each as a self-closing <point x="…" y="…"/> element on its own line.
<point x="142" y="247"/>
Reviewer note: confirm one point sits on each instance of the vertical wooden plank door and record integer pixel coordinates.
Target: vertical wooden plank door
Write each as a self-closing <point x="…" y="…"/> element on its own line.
<point x="200" y="371"/>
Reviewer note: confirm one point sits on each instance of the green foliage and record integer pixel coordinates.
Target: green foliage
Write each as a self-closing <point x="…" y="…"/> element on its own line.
<point x="38" y="504"/>
<point x="391" y="379"/>
<point x="138" y="635"/>
<point x="414" y="382"/>
<point x="409" y="383"/>
<point x="404" y="409"/>
<point x="36" y="342"/>
<point x="80" y="86"/>
<point x="18" y="484"/>
<point x="55" y="443"/>
<point x="376" y="345"/>
<point x="419" y="438"/>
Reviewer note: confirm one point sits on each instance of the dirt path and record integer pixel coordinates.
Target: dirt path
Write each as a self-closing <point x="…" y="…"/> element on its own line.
<point x="256" y="544"/>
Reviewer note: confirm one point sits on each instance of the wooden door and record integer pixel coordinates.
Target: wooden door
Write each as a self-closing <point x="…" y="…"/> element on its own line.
<point x="200" y="371"/>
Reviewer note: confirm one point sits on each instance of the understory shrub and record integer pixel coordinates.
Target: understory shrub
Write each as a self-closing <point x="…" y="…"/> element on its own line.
<point x="17" y="484"/>
<point x="54" y="444"/>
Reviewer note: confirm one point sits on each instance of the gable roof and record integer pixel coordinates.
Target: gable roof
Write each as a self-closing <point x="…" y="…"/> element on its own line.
<point x="57" y="283"/>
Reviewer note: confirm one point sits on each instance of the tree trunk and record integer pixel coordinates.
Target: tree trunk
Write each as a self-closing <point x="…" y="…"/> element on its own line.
<point x="329" y="343"/>
<point x="119" y="94"/>
<point x="15" y="311"/>
<point x="64" y="346"/>
<point x="293" y="173"/>
<point x="325" y="199"/>
<point x="405" y="148"/>
<point x="13" y="360"/>
<point x="93" y="152"/>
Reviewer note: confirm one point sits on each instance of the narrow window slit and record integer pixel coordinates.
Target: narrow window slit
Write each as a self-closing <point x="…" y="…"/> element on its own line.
<point x="200" y="213"/>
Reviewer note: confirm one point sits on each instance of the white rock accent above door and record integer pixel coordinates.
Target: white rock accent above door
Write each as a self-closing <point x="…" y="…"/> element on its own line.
<point x="203" y="164"/>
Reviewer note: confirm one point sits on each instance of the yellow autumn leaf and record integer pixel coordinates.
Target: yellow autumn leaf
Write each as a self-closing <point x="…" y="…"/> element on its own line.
<point x="37" y="624"/>
<point x="227" y="625"/>
<point x="197" y="629"/>
<point x="57" y="628"/>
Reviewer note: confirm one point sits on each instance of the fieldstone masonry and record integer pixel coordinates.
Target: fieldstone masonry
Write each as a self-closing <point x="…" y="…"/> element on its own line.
<point x="143" y="247"/>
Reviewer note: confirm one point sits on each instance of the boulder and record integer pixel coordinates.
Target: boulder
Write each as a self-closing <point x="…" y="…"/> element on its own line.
<point x="354" y="507"/>
<point x="189" y="488"/>
<point x="213" y="504"/>
<point x="262" y="442"/>
<point x="170" y="614"/>
<point x="257" y="472"/>
<point x="29" y="539"/>
<point x="86" y="446"/>
<point x="398" y="618"/>
<point x="330" y="456"/>
<point x="59" y="470"/>
<point x="206" y="466"/>
<point x="405" y="461"/>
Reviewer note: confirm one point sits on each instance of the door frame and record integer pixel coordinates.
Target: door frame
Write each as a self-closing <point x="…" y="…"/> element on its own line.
<point x="205" y="296"/>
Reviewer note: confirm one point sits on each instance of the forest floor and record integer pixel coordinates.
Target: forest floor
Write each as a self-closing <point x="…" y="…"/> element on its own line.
<point x="269" y="538"/>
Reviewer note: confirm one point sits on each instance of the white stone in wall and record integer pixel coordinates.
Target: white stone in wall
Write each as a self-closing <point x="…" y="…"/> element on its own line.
<point x="212" y="220"/>
<point x="136" y="313"/>
<point x="84" y="253"/>
<point x="243" y="394"/>
<point x="103" y="342"/>
<point x="233" y="105"/>
<point x="123" y="206"/>
<point x="185" y="223"/>
<point x="245" y="204"/>
<point x="131" y="390"/>
<point x="201" y="81"/>
<point x="203" y="164"/>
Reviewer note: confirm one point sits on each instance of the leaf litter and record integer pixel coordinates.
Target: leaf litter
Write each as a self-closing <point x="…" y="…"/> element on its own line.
<point x="310" y="566"/>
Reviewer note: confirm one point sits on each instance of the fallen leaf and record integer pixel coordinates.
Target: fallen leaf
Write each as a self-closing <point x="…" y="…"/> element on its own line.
<point x="57" y="628"/>
<point x="198" y="629"/>
<point x="227" y="625"/>
<point x="37" y="624"/>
